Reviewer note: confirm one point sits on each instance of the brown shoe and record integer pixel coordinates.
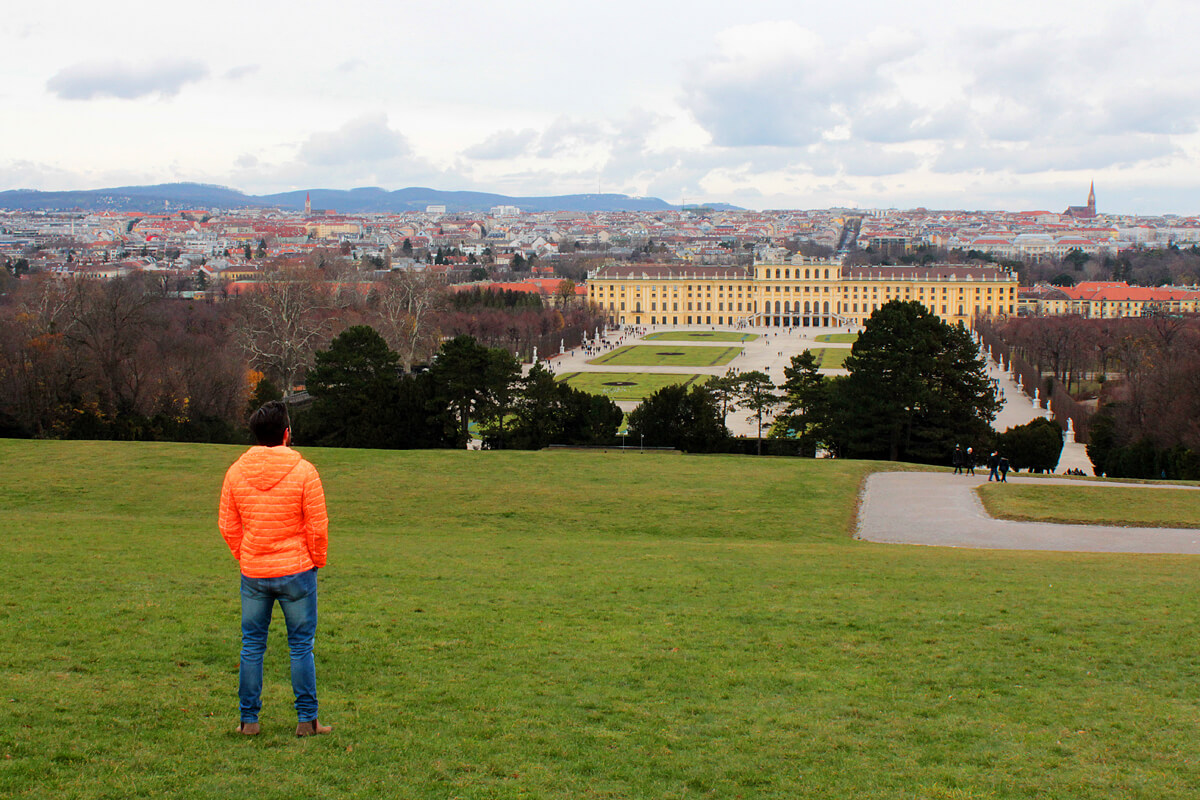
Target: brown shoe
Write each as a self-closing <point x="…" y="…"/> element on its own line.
<point x="312" y="728"/>
<point x="248" y="728"/>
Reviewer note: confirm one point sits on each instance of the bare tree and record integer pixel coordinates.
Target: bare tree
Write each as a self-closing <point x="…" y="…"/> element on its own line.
<point x="407" y="303"/>
<point x="111" y="320"/>
<point x="281" y="325"/>
<point x="565" y="293"/>
<point x="39" y="371"/>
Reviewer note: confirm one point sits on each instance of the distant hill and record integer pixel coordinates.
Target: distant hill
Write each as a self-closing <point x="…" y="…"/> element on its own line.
<point x="353" y="201"/>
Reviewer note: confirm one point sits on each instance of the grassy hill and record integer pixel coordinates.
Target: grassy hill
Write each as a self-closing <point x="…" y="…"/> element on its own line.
<point x="565" y="624"/>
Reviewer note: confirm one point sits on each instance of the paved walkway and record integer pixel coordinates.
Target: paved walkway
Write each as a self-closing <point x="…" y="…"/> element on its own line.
<point x="769" y="353"/>
<point x="943" y="510"/>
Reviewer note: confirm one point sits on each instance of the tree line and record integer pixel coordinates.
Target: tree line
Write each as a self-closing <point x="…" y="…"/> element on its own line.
<point x="361" y="398"/>
<point x="1140" y="375"/>
<point x="124" y="359"/>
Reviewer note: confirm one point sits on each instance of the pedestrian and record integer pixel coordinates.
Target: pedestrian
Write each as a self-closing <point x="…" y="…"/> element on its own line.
<point x="1003" y="469"/>
<point x="969" y="461"/>
<point x="272" y="516"/>
<point x="957" y="460"/>
<point x="993" y="464"/>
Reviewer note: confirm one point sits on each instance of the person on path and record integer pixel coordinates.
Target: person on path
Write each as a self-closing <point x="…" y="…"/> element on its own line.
<point x="969" y="461"/>
<point x="957" y="460"/>
<point x="993" y="463"/>
<point x="272" y="515"/>
<point x="1003" y="469"/>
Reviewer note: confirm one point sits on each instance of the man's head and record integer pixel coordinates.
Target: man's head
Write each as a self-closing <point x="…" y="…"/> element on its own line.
<point x="270" y="424"/>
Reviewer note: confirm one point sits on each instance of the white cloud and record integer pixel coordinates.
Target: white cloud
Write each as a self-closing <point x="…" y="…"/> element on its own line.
<point x="124" y="81"/>
<point x="241" y="71"/>
<point x="1056" y="155"/>
<point x="365" y="139"/>
<point x="503" y="144"/>
<point x="365" y="151"/>
<point x="779" y="84"/>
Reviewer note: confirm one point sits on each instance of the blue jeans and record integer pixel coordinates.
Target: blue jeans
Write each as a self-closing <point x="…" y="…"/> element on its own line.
<point x="297" y="596"/>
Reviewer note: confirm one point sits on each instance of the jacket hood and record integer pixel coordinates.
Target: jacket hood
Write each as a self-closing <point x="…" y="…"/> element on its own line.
<point x="263" y="467"/>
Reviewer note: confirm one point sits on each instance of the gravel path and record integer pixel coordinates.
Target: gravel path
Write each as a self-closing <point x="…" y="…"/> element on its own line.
<point x="943" y="510"/>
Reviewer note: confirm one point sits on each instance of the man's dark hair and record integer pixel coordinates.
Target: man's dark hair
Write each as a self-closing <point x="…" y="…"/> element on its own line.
<point x="269" y="423"/>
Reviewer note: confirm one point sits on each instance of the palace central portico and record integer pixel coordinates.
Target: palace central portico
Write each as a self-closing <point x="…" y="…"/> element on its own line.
<point x="797" y="293"/>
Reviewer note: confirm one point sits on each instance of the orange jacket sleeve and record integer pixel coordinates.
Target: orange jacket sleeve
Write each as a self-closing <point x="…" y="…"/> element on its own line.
<point x="316" y="519"/>
<point x="229" y="519"/>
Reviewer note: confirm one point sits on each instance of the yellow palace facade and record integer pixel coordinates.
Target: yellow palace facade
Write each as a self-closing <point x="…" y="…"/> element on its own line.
<point x="795" y="294"/>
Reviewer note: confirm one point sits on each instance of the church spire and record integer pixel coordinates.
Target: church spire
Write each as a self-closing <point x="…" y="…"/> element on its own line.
<point x="1092" y="199"/>
<point x="307" y="204"/>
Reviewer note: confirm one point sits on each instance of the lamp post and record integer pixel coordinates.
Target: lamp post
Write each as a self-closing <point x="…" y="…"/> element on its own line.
<point x="623" y="434"/>
<point x="642" y="446"/>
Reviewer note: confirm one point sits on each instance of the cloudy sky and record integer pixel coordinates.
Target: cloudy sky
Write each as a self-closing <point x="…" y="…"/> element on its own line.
<point x="1014" y="104"/>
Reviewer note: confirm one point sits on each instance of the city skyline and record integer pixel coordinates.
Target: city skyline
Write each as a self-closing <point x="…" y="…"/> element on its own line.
<point x="998" y="106"/>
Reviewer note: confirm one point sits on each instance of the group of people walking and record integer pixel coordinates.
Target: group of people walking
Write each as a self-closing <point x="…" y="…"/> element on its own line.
<point x="964" y="463"/>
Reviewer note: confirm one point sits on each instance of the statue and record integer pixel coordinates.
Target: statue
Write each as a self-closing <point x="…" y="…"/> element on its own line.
<point x="1036" y="401"/>
<point x="535" y="355"/>
<point x="1070" y="430"/>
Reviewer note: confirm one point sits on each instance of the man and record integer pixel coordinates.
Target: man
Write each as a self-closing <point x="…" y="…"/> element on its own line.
<point x="957" y="460"/>
<point x="1003" y="469"/>
<point x="273" y="518"/>
<point x="993" y="463"/>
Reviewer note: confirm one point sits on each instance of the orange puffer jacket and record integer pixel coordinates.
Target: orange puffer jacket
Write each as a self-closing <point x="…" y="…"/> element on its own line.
<point x="273" y="513"/>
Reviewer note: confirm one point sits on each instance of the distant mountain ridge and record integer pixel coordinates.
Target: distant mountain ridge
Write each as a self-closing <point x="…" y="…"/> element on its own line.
<point x="176" y="196"/>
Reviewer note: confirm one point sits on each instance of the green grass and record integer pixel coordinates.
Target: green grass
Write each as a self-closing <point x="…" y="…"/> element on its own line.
<point x="1095" y="505"/>
<point x="702" y="336"/>
<point x="838" y="338"/>
<point x="641" y="384"/>
<point x="668" y="355"/>
<point x="830" y="357"/>
<point x="566" y="624"/>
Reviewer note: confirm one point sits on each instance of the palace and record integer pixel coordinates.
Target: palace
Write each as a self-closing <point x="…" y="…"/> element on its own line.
<point x="797" y="293"/>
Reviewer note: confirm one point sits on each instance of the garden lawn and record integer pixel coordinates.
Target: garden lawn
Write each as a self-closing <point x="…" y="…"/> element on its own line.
<point x="838" y="338"/>
<point x="830" y="357"/>
<point x="701" y="336"/>
<point x="576" y="624"/>
<point x="1094" y="505"/>
<point x="668" y="355"/>
<point x="631" y="385"/>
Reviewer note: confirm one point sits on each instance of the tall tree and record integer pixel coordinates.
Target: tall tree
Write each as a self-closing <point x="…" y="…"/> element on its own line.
<point x="756" y="393"/>
<point x="473" y="380"/>
<point x="406" y="306"/>
<point x="112" y="320"/>
<point x="281" y="323"/>
<point x="724" y="390"/>
<point x="547" y="411"/>
<point x="679" y="417"/>
<point x="916" y="387"/>
<point x="806" y="403"/>
<point x="354" y="385"/>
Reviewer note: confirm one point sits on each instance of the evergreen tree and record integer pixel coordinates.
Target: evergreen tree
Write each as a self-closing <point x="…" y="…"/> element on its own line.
<point x="547" y="411"/>
<point x="264" y="392"/>
<point x="916" y="387"/>
<point x="756" y="393"/>
<point x="807" y="408"/>
<point x="473" y="380"/>
<point x="675" y="416"/>
<point x="1035" y="445"/>
<point x="354" y="385"/>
